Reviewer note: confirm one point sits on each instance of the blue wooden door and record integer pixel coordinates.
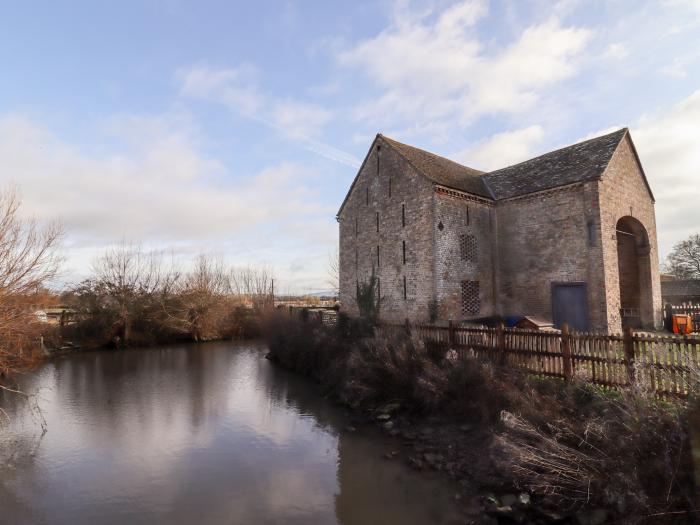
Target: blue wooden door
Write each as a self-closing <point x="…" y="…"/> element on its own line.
<point x="570" y="305"/>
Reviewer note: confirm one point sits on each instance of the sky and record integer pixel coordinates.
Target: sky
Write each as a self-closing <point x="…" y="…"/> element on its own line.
<point x="234" y="129"/>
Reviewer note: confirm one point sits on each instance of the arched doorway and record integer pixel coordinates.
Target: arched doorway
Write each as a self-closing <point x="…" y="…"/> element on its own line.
<point x="634" y="267"/>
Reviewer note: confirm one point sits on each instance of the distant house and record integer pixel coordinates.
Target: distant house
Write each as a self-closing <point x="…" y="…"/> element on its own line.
<point x="569" y="236"/>
<point x="680" y="291"/>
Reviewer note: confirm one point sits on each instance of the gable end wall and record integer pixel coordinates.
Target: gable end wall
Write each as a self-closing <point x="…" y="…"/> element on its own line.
<point x="623" y="192"/>
<point x="414" y="191"/>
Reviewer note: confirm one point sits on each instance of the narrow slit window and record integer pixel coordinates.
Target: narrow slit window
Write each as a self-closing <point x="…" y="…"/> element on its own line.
<point x="377" y="214"/>
<point x="468" y="218"/>
<point x="404" y="287"/>
<point x="377" y="256"/>
<point x="403" y="215"/>
<point x="404" y="251"/>
<point x="379" y="288"/>
<point x="590" y="226"/>
<point x="390" y="187"/>
<point x="379" y="148"/>
<point x="367" y="197"/>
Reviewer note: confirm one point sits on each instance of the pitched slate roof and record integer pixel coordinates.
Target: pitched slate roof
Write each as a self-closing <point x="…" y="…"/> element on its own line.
<point x="441" y="170"/>
<point x="681" y="288"/>
<point x="581" y="162"/>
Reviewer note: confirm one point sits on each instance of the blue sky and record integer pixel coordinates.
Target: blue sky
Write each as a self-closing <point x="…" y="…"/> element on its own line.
<point x="236" y="128"/>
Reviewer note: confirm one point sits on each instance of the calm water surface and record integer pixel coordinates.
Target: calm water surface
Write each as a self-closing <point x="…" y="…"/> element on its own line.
<point x="198" y="434"/>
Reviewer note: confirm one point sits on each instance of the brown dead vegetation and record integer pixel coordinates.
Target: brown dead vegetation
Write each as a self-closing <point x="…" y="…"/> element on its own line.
<point x="572" y="445"/>
<point x="29" y="260"/>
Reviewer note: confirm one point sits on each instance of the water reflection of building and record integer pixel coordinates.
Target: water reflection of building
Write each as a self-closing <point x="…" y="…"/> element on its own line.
<point x="371" y="488"/>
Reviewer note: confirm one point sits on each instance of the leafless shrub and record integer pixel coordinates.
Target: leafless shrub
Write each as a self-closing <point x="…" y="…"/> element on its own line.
<point x="29" y="260"/>
<point x="334" y="270"/>
<point x="582" y="445"/>
<point x="129" y="277"/>
<point x="197" y="302"/>
<point x="549" y="466"/>
<point x="253" y="285"/>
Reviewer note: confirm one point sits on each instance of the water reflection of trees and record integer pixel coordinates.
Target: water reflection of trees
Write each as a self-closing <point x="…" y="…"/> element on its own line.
<point x="216" y="433"/>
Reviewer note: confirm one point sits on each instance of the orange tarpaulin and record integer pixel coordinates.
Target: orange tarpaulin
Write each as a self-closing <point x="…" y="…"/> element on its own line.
<point x="682" y="324"/>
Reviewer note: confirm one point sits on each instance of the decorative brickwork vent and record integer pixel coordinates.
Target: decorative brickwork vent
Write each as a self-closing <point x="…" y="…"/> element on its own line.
<point x="471" y="305"/>
<point x="468" y="248"/>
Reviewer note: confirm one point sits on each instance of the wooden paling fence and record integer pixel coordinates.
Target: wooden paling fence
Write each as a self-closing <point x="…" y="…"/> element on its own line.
<point x="667" y="365"/>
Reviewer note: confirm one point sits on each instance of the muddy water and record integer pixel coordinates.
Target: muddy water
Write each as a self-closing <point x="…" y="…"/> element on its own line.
<point x="194" y="434"/>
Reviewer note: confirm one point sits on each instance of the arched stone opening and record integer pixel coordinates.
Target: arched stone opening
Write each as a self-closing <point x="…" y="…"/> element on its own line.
<point x="634" y="267"/>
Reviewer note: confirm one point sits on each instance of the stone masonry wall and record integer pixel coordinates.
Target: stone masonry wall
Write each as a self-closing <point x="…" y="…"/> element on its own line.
<point x="523" y="245"/>
<point x="545" y="238"/>
<point x="462" y="223"/>
<point x="410" y="192"/>
<point x="624" y="194"/>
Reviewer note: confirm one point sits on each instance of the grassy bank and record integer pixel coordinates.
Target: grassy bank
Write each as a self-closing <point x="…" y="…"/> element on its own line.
<point x="583" y="453"/>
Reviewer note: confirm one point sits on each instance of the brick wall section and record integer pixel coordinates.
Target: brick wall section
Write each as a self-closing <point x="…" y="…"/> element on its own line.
<point x="415" y="192"/>
<point x="624" y="194"/>
<point x="543" y="239"/>
<point x="462" y="217"/>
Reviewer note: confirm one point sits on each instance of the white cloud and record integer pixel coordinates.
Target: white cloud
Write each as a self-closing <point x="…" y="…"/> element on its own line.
<point x="693" y="5"/>
<point x="437" y="70"/>
<point x="233" y="86"/>
<point x="160" y="189"/>
<point x="669" y="147"/>
<point x="299" y="120"/>
<point x="616" y="51"/>
<point x="678" y="68"/>
<point x="502" y="149"/>
<point x="237" y="89"/>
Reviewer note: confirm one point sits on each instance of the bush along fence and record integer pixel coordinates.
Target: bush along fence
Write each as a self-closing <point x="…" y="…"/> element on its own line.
<point x="666" y="365"/>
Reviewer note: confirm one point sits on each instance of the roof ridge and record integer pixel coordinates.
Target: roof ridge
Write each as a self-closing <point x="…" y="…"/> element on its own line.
<point x="389" y="139"/>
<point x="599" y="137"/>
<point x="439" y="169"/>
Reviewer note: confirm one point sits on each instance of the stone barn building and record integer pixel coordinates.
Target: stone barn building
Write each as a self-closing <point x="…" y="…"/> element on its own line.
<point x="569" y="236"/>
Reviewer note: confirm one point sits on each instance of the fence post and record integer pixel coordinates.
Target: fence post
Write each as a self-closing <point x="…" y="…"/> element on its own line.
<point x="566" y="351"/>
<point x="501" y="343"/>
<point x="451" y="334"/>
<point x="694" y="427"/>
<point x="628" y="344"/>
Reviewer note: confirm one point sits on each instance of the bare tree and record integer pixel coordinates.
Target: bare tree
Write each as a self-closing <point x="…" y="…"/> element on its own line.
<point x="29" y="260"/>
<point x="196" y="302"/>
<point x="128" y="275"/>
<point x="334" y="270"/>
<point x="684" y="260"/>
<point x="253" y="285"/>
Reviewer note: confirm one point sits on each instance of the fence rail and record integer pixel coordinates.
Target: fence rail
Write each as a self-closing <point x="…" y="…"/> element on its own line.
<point x="666" y="365"/>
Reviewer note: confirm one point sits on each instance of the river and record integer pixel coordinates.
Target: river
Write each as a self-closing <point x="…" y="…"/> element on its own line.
<point x="208" y="434"/>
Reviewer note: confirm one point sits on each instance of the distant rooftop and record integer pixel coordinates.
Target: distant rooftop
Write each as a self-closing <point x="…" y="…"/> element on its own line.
<point x="680" y="288"/>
